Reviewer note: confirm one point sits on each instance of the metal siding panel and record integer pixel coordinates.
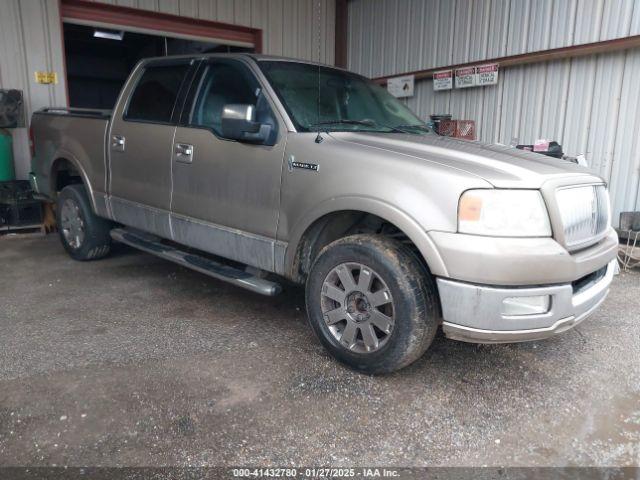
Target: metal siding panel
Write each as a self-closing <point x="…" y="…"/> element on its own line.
<point x="290" y="33"/>
<point x="417" y="33"/>
<point x="353" y="35"/>
<point x="563" y="23"/>
<point x="148" y="4"/>
<point x="604" y="112"/>
<point x="462" y="29"/>
<point x="616" y="19"/>
<point x="366" y="45"/>
<point x="489" y="120"/>
<point x="539" y="25"/>
<point x="513" y="79"/>
<point x="518" y="27"/>
<point x="579" y="101"/>
<point x="444" y="44"/>
<point x="330" y="34"/>
<point x="432" y="26"/>
<point x="167" y="6"/>
<point x="555" y="100"/>
<point x="377" y="42"/>
<point x="499" y="15"/>
<point x="625" y="172"/>
<point x="479" y="30"/>
<point x="28" y="31"/>
<point x="242" y="13"/>
<point x="588" y="21"/>
<point x="225" y="11"/>
<point x="635" y="20"/>
<point x="391" y="36"/>
<point x="188" y="8"/>
<point x="207" y="9"/>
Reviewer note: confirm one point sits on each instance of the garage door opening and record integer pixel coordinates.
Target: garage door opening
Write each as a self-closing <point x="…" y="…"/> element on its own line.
<point x="99" y="60"/>
<point x="103" y="43"/>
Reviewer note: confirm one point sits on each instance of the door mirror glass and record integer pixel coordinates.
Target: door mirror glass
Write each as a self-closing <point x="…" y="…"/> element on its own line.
<point x="238" y="123"/>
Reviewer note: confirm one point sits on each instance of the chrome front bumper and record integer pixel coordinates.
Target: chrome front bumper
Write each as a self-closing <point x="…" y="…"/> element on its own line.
<point x="473" y="313"/>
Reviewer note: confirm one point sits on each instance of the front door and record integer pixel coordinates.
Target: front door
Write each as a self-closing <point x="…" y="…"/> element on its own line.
<point x="140" y="143"/>
<point x="226" y="193"/>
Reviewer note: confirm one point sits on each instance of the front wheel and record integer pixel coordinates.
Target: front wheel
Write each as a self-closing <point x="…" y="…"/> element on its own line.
<point x="83" y="234"/>
<point x="371" y="303"/>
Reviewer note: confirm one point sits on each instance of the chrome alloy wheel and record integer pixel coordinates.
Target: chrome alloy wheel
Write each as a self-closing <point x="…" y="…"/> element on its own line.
<point x="357" y="307"/>
<point x="72" y="224"/>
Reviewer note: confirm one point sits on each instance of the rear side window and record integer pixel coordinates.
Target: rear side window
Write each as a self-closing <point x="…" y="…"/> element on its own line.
<point x="154" y="96"/>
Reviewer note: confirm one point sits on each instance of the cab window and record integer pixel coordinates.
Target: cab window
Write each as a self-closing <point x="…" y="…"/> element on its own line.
<point x="154" y="97"/>
<point x="227" y="82"/>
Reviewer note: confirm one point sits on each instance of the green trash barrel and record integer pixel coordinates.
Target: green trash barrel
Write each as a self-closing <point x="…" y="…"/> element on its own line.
<point x="7" y="171"/>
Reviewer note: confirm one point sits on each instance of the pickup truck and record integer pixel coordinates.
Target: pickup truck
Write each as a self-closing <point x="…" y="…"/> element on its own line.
<point x="253" y="169"/>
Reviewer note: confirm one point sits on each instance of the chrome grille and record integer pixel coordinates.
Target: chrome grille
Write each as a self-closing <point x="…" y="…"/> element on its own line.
<point x="584" y="211"/>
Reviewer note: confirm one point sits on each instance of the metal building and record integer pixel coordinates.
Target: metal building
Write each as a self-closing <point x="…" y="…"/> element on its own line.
<point x="586" y="97"/>
<point x="31" y="40"/>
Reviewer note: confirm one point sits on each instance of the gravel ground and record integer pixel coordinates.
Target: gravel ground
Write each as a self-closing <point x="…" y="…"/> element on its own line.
<point x="135" y="361"/>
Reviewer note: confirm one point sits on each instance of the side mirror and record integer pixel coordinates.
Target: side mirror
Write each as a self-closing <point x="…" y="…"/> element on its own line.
<point x="238" y="123"/>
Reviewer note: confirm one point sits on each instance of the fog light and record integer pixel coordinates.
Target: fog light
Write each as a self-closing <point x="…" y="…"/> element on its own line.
<point x="535" y="305"/>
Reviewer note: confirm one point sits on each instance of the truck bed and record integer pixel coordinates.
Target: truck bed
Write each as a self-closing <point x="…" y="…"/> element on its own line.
<point x="72" y="135"/>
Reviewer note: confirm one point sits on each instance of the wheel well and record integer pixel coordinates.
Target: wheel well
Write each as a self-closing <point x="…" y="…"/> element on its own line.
<point x="64" y="173"/>
<point x="336" y="225"/>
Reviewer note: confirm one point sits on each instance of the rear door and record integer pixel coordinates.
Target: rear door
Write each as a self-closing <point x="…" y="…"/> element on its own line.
<point x="140" y="144"/>
<point x="226" y="193"/>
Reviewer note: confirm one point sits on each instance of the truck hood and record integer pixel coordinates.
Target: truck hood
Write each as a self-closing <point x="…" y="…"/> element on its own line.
<point x="499" y="165"/>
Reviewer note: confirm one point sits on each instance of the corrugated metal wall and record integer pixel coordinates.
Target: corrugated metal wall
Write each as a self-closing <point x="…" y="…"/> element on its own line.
<point x="591" y="104"/>
<point x="31" y="40"/>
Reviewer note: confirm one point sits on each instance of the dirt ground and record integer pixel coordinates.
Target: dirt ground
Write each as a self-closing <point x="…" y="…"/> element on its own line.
<point x="135" y="361"/>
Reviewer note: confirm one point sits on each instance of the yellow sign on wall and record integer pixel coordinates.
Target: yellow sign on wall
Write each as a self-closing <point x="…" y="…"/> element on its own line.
<point x="46" y="77"/>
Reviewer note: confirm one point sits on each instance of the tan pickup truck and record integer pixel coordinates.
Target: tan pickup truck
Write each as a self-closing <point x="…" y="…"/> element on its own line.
<point x="235" y="166"/>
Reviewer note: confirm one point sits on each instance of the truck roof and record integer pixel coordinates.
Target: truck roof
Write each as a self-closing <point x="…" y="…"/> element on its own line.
<point x="255" y="56"/>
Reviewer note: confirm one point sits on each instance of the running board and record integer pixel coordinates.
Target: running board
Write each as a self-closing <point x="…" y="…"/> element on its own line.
<point x="227" y="273"/>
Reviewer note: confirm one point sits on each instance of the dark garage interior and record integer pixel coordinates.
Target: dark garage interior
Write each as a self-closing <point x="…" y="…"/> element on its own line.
<point x="99" y="60"/>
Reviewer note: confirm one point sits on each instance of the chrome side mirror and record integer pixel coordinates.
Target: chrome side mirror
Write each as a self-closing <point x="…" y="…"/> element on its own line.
<point x="238" y="123"/>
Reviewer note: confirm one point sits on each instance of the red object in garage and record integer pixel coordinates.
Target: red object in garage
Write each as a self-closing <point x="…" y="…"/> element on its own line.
<point x="465" y="129"/>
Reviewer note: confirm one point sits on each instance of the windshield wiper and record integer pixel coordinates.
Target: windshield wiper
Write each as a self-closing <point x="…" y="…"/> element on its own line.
<point x="366" y="123"/>
<point x="420" y="126"/>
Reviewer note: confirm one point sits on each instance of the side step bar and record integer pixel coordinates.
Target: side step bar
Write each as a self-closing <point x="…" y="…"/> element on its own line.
<point x="227" y="273"/>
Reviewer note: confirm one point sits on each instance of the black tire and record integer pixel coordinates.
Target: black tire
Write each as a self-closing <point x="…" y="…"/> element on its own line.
<point x="96" y="243"/>
<point x="415" y="308"/>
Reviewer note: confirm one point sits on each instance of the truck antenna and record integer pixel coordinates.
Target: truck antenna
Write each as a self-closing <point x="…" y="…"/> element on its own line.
<point x="318" y="136"/>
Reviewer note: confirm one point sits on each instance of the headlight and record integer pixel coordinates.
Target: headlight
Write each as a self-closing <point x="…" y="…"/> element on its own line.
<point x="503" y="213"/>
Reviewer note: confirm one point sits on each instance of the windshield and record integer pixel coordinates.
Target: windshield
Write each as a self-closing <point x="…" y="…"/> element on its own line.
<point x="348" y="102"/>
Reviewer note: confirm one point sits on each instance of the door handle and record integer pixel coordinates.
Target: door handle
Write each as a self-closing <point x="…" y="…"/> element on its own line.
<point x="183" y="153"/>
<point x="117" y="142"/>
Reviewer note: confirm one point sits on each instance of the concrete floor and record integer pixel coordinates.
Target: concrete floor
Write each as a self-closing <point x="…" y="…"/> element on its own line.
<point x="132" y="360"/>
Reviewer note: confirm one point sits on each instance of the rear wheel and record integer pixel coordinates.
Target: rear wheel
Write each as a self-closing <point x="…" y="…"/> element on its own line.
<point x="84" y="235"/>
<point x="371" y="303"/>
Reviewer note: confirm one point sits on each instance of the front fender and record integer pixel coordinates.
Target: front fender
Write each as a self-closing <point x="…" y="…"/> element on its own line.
<point x="373" y="206"/>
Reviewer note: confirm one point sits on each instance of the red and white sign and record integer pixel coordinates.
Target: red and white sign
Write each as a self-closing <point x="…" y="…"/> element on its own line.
<point x="487" y="74"/>
<point x="466" y="77"/>
<point x="443" y="80"/>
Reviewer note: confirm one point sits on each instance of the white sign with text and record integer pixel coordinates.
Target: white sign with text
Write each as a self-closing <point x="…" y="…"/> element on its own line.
<point x="443" y="80"/>
<point x="401" y="87"/>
